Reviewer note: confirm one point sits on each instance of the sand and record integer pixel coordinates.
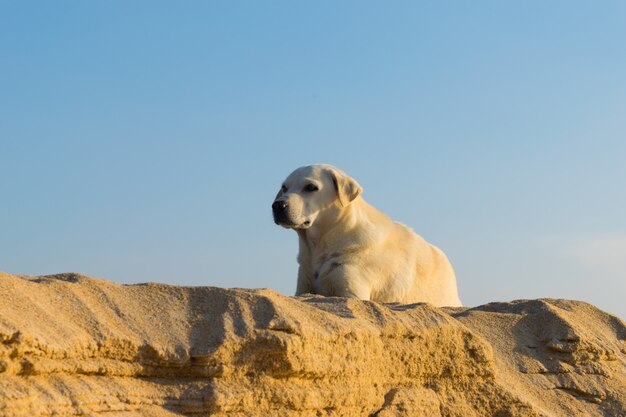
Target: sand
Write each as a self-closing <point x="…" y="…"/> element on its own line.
<point x="74" y="345"/>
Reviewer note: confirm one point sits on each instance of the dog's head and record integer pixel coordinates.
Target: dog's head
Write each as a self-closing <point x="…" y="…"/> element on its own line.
<point x="310" y="192"/>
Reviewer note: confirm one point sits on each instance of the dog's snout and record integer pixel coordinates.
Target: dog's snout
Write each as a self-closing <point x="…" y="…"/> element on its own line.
<point x="279" y="205"/>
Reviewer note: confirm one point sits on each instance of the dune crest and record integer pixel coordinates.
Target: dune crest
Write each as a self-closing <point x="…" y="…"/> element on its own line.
<point x="74" y="345"/>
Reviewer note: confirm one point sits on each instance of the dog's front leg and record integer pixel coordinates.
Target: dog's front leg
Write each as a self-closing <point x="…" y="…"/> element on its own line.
<point x="343" y="281"/>
<point x="305" y="281"/>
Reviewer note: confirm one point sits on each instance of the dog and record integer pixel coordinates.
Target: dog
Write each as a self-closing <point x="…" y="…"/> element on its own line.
<point x="348" y="248"/>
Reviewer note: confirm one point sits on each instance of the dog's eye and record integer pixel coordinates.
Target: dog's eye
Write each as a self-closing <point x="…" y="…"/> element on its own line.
<point x="310" y="188"/>
<point x="283" y="189"/>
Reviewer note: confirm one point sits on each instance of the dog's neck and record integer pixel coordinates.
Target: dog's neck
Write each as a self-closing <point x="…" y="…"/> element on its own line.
<point x="327" y="226"/>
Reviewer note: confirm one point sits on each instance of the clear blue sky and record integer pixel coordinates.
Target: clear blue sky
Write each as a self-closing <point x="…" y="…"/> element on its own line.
<point x="145" y="141"/>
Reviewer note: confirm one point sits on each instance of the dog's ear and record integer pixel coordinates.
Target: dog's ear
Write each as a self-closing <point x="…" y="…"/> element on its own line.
<point x="347" y="188"/>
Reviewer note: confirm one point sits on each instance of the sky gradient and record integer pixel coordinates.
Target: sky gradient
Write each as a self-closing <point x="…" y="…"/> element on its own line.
<point x="145" y="141"/>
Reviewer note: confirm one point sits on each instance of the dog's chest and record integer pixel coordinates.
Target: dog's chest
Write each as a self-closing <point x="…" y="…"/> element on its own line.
<point x="325" y="268"/>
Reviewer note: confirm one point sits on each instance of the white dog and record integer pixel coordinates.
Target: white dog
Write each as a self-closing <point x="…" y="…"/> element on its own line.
<point x="350" y="249"/>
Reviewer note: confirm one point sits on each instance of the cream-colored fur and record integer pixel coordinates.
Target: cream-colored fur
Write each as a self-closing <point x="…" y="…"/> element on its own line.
<point x="350" y="249"/>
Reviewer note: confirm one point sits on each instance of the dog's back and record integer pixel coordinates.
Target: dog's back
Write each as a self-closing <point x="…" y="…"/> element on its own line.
<point x="409" y="269"/>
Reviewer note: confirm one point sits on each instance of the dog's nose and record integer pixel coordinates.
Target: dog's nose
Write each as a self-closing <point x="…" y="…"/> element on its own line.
<point x="279" y="206"/>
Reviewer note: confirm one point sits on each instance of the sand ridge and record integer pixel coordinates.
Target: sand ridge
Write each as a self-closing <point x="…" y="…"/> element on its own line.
<point x="74" y="345"/>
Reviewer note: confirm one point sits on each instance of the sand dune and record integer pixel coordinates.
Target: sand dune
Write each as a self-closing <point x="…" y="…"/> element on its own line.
<point x="74" y="345"/>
